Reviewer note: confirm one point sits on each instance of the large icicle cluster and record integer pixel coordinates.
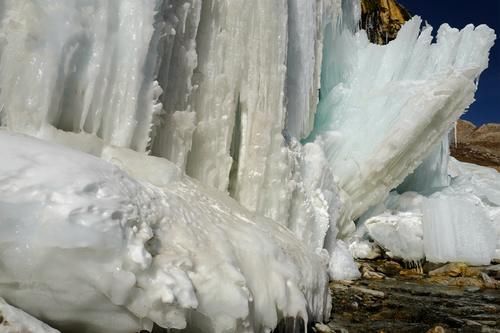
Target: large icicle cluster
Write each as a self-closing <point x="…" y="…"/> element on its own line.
<point x="171" y="78"/>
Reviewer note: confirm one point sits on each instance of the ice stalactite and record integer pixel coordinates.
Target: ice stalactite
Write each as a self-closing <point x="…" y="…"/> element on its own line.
<point x="202" y="84"/>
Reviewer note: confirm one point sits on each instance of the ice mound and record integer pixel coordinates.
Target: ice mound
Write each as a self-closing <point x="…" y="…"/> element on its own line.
<point x="464" y="216"/>
<point x="86" y="247"/>
<point x="400" y="234"/>
<point x="342" y="265"/>
<point x="459" y="223"/>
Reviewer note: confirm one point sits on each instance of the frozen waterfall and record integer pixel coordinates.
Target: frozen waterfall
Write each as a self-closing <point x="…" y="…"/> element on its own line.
<point x="194" y="164"/>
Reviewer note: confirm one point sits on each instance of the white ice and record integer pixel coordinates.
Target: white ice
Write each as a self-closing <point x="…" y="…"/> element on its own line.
<point x="342" y="265"/>
<point x="458" y="223"/>
<point x="400" y="234"/>
<point x="85" y="246"/>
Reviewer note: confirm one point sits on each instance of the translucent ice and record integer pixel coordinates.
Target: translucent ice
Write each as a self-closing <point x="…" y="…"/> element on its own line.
<point x="383" y="108"/>
<point x="79" y="67"/>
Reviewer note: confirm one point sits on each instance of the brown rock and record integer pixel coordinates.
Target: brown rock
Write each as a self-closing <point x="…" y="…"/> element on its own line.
<point x="370" y="292"/>
<point x="382" y="19"/>
<point x="456" y="269"/>
<point x="466" y="282"/>
<point x="489" y="282"/>
<point x="415" y="273"/>
<point x="322" y="328"/>
<point x="389" y="268"/>
<point x="368" y="272"/>
<point x="477" y="145"/>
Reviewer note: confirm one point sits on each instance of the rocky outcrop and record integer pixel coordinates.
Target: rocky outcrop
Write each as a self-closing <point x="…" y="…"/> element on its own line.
<point x="478" y="145"/>
<point x="382" y="19"/>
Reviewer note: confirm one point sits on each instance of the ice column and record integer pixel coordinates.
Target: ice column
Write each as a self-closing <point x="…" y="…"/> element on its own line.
<point x="78" y="67"/>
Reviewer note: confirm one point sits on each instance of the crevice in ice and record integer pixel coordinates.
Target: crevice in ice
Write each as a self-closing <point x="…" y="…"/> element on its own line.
<point x="69" y="94"/>
<point x="234" y="150"/>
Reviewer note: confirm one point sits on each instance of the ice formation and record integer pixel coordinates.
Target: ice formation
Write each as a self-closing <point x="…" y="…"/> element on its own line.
<point x="456" y="223"/>
<point x="401" y="234"/>
<point x="233" y="180"/>
<point x="79" y="236"/>
<point x="186" y="93"/>
<point x="383" y="108"/>
<point x="343" y="267"/>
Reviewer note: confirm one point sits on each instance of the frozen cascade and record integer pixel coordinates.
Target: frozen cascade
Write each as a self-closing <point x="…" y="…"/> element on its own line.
<point x="225" y="90"/>
<point x="216" y="112"/>
<point x="188" y="93"/>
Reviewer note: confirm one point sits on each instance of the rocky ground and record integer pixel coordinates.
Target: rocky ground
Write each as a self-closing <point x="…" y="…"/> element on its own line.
<point x="432" y="298"/>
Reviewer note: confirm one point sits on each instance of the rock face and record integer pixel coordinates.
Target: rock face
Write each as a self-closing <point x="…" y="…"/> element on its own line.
<point x="382" y="19"/>
<point x="478" y="145"/>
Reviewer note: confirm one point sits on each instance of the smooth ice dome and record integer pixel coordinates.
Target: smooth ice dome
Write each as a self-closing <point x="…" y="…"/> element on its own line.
<point x="81" y="236"/>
